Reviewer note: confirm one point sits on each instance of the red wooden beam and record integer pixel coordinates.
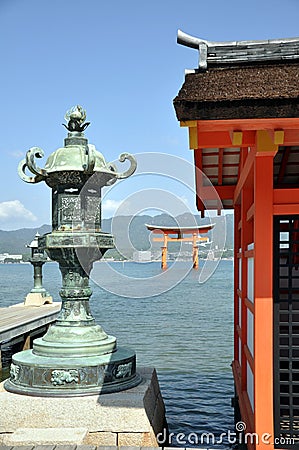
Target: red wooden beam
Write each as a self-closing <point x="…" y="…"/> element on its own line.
<point x="289" y="209"/>
<point x="244" y="174"/>
<point x="220" y="166"/>
<point x="225" y="192"/>
<point x="210" y="166"/>
<point x="249" y="124"/>
<point x="199" y="180"/>
<point x="286" y="196"/>
<point x="291" y="137"/>
<point x="215" y="153"/>
<point x="216" y="139"/>
<point x="218" y="133"/>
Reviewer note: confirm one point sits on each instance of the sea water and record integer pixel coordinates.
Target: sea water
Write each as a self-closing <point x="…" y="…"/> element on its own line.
<point x="185" y="332"/>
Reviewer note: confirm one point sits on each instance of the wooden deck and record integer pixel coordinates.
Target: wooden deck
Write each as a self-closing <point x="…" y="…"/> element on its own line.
<point x="19" y="325"/>
<point x="19" y="320"/>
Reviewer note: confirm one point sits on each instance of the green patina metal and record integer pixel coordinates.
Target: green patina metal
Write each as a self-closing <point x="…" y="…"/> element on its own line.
<point x="37" y="259"/>
<point x="76" y="356"/>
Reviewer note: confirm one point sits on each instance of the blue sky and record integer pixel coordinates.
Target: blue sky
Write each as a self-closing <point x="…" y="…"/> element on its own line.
<point x="120" y="61"/>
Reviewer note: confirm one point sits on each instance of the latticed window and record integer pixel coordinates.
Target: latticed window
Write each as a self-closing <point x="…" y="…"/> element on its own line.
<point x="286" y="329"/>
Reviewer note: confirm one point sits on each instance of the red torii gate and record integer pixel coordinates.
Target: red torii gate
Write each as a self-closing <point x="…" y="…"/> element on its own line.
<point x="180" y="231"/>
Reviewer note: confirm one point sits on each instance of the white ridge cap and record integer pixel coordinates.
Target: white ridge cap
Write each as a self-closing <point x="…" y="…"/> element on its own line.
<point x="193" y="42"/>
<point x="236" y="52"/>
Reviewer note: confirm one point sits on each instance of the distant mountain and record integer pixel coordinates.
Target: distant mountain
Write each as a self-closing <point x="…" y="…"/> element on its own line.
<point x="14" y="242"/>
<point x="124" y="228"/>
<point x="139" y="234"/>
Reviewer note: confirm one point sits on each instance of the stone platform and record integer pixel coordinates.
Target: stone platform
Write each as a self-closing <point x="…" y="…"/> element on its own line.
<point x="128" y="418"/>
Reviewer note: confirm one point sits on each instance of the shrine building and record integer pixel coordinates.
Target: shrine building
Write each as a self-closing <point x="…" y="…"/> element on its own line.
<point x="241" y="109"/>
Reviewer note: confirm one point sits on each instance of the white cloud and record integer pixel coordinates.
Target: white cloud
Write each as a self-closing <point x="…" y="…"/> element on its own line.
<point x="120" y="207"/>
<point x="15" y="210"/>
<point x="17" y="154"/>
<point x="111" y="205"/>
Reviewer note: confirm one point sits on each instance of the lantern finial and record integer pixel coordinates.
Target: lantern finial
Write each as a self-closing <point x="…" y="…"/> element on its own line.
<point x="75" y="118"/>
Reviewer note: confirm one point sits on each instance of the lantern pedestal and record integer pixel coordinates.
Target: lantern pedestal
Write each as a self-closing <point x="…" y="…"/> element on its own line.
<point x="37" y="299"/>
<point x="57" y="377"/>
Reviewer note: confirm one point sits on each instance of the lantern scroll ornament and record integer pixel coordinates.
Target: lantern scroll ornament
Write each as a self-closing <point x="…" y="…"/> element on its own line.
<point x="76" y="173"/>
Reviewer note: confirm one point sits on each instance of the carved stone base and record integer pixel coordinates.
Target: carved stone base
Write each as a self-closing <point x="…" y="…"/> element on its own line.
<point x="128" y="418"/>
<point x="35" y="375"/>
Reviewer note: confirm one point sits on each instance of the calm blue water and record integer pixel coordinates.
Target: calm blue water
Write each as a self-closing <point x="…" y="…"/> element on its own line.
<point x="186" y="333"/>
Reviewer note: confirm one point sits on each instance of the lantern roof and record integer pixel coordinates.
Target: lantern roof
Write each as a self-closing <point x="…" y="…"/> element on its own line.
<point x="34" y="242"/>
<point x="77" y="156"/>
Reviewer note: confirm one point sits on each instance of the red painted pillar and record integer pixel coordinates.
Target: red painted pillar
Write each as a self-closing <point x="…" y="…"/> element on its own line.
<point x="164" y="253"/>
<point x="195" y="252"/>
<point x="263" y="285"/>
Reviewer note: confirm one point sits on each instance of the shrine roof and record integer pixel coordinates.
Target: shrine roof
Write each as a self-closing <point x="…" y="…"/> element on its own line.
<point x="241" y="79"/>
<point x="213" y="53"/>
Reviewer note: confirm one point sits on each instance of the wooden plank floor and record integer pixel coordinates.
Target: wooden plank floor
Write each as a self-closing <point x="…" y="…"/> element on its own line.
<point x="17" y="320"/>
